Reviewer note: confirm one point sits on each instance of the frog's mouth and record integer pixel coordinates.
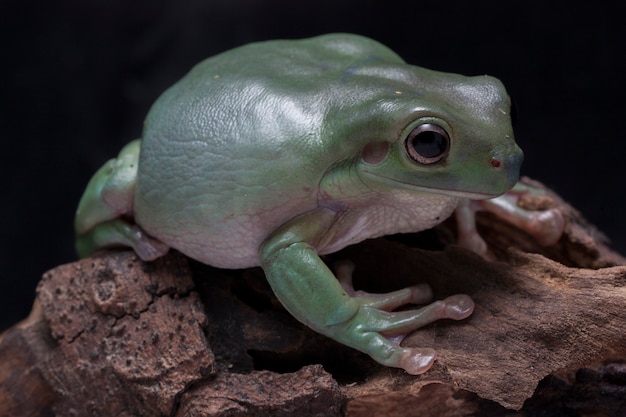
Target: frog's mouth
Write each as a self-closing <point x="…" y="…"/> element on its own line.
<point x="451" y="192"/>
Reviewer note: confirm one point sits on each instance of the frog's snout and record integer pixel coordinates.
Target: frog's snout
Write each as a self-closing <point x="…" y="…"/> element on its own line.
<point x="510" y="164"/>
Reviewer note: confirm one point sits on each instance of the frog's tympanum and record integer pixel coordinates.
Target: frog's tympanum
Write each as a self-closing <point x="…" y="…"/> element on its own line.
<point x="277" y="152"/>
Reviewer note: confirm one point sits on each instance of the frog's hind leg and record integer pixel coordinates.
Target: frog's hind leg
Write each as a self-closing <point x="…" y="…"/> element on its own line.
<point x="104" y="214"/>
<point x="116" y="233"/>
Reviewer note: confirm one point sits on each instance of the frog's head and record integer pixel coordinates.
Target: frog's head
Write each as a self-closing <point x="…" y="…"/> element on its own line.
<point x="443" y="133"/>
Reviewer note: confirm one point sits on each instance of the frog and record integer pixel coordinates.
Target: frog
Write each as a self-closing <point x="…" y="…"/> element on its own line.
<point x="279" y="152"/>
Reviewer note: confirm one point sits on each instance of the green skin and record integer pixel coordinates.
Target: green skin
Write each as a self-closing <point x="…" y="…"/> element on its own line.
<point x="274" y="153"/>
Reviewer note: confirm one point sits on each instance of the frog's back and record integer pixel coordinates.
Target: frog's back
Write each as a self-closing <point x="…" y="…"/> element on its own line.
<point x="237" y="147"/>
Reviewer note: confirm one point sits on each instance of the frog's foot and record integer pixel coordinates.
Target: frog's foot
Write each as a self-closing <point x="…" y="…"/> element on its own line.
<point x="379" y="333"/>
<point x="545" y="226"/>
<point x="381" y="330"/>
<point x="120" y="233"/>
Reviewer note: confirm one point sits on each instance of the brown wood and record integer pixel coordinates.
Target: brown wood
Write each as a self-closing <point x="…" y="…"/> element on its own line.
<point x="111" y="335"/>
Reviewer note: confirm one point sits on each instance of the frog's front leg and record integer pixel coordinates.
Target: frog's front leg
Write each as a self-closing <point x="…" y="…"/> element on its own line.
<point x="312" y="294"/>
<point x="545" y="226"/>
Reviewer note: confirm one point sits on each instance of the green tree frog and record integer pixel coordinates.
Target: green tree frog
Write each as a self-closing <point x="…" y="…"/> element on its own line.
<point x="277" y="152"/>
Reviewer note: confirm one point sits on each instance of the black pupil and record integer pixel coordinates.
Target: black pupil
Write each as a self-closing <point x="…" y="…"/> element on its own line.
<point x="429" y="144"/>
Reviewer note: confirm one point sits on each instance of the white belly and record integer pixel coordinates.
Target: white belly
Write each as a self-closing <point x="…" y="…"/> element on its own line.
<point x="396" y="212"/>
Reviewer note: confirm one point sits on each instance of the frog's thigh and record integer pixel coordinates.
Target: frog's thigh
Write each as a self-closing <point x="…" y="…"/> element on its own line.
<point x="110" y="192"/>
<point x="108" y="197"/>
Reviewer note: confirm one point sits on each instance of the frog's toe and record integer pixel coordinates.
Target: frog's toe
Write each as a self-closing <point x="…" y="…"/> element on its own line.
<point x="387" y="351"/>
<point x="416" y="361"/>
<point x="546" y="226"/>
<point x="398" y="324"/>
<point x="474" y="242"/>
<point x="458" y="307"/>
<point x="415" y="294"/>
<point x="467" y="235"/>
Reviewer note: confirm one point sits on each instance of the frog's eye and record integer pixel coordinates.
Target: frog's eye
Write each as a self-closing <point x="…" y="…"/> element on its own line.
<point x="428" y="144"/>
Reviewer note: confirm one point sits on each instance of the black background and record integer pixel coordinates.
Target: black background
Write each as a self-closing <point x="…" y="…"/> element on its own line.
<point x="79" y="76"/>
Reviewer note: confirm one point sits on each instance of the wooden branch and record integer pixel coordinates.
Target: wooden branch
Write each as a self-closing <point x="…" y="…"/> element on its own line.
<point x="533" y="317"/>
<point x="111" y="335"/>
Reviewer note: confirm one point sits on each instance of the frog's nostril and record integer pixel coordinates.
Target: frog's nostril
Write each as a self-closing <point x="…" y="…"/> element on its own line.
<point x="513" y="165"/>
<point x="516" y="160"/>
<point x="510" y="162"/>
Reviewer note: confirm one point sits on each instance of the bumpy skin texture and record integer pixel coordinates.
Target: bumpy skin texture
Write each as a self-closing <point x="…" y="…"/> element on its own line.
<point x="273" y="153"/>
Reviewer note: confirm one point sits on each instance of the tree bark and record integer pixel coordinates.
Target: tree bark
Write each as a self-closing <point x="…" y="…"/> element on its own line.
<point x="111" y="335"/>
